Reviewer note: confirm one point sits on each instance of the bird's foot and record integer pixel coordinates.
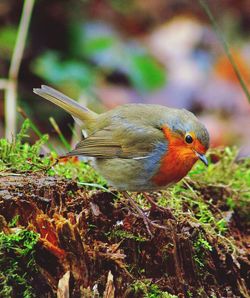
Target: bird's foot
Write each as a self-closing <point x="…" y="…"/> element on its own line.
<point x="142" y="215"/>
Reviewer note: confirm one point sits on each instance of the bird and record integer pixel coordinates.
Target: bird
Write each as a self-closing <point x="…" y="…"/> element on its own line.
<point x="136" y="147"/>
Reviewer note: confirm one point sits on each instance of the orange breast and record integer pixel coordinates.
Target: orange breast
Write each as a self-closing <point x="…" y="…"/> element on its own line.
<point x="177" y="161"/>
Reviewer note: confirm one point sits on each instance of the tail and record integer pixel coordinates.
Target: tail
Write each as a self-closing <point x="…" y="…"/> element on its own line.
<point x="66" y="103"/>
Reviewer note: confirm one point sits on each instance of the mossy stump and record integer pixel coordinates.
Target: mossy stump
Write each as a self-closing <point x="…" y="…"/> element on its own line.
<point x="93" y="244"/>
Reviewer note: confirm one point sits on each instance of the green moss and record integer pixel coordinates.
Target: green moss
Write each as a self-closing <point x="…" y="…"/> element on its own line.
<point x="146" y="289"/>
<point x="235" y="176"/>
<point x="201" y="245"/>
<point x="14" y="221"/>
<point x="226" y="181"/>
<point x="17" y="263"/>
<point x="80" y="171"/>
<point x="201" y="194"/>
<point x="121" y="234"/>
<point x="18" y="155"/>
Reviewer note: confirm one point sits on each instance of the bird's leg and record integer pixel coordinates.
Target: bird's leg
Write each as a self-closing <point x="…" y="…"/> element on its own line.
<point x="140" y="212"/>
<point x="156" y="206"/>
<point x="146" y="220"/>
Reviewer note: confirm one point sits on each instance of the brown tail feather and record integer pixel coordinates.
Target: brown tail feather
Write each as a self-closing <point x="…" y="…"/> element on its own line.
<point x="65" y="102"/>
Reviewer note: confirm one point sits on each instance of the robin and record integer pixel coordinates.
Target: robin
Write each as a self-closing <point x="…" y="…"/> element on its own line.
<point x="137" y="147"/>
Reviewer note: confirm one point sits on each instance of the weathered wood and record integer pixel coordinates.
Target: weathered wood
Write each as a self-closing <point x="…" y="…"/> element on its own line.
<point x="75" y="227"/>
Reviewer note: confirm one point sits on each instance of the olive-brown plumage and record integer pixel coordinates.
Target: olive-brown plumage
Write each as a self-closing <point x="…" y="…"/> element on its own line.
<point x="137" y="147"/>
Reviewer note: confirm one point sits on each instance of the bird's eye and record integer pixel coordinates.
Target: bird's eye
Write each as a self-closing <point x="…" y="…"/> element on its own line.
<point x="188" y="139"/>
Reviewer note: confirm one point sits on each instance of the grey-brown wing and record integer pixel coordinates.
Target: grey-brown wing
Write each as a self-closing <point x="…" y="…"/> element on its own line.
<point x="126" y="142"/>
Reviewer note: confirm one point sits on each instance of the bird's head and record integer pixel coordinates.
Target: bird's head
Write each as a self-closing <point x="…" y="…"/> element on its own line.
<point x="188" y="136"/>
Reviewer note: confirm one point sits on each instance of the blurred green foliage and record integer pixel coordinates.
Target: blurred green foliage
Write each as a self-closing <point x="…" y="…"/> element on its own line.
<point x="7" y="41"/>
<point x="98" y="51"/>
<point x="146" y="74"/>
<point x="52" y="68"/>
<point x="124" y="7"/>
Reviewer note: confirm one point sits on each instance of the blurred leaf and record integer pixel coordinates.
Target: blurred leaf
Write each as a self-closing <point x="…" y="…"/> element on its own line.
<point x="145" y="73"/>
<point x="7" y="41"/>
<point x="91" y="40"/>
<point x="101" y="44"/>
<point x="53" y="69"/>
<point x="96" y="45"/>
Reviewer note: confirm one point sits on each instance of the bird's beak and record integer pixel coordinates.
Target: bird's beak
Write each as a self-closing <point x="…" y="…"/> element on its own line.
<point x="202" y="157"/>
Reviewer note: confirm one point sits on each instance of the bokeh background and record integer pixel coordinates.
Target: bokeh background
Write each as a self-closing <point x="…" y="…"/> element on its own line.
<point x="109" y="52"/>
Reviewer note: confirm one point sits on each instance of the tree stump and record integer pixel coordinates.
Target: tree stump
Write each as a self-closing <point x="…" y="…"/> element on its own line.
<point x="86" y="236"/>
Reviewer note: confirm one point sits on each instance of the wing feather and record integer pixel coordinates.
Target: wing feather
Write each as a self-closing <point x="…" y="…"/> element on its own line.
<point x="110" y="142"/>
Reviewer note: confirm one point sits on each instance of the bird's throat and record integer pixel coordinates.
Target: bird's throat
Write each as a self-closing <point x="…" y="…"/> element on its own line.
<point x="176" y="163"/>
<point x="174" y="166"/>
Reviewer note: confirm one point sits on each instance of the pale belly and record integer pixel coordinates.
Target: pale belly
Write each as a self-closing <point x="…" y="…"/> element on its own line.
<point x="126" y="174"/>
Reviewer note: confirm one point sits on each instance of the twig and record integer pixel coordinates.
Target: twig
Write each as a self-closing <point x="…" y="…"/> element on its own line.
<point x="11" y="86"/>
<point x="226" y="47"/>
